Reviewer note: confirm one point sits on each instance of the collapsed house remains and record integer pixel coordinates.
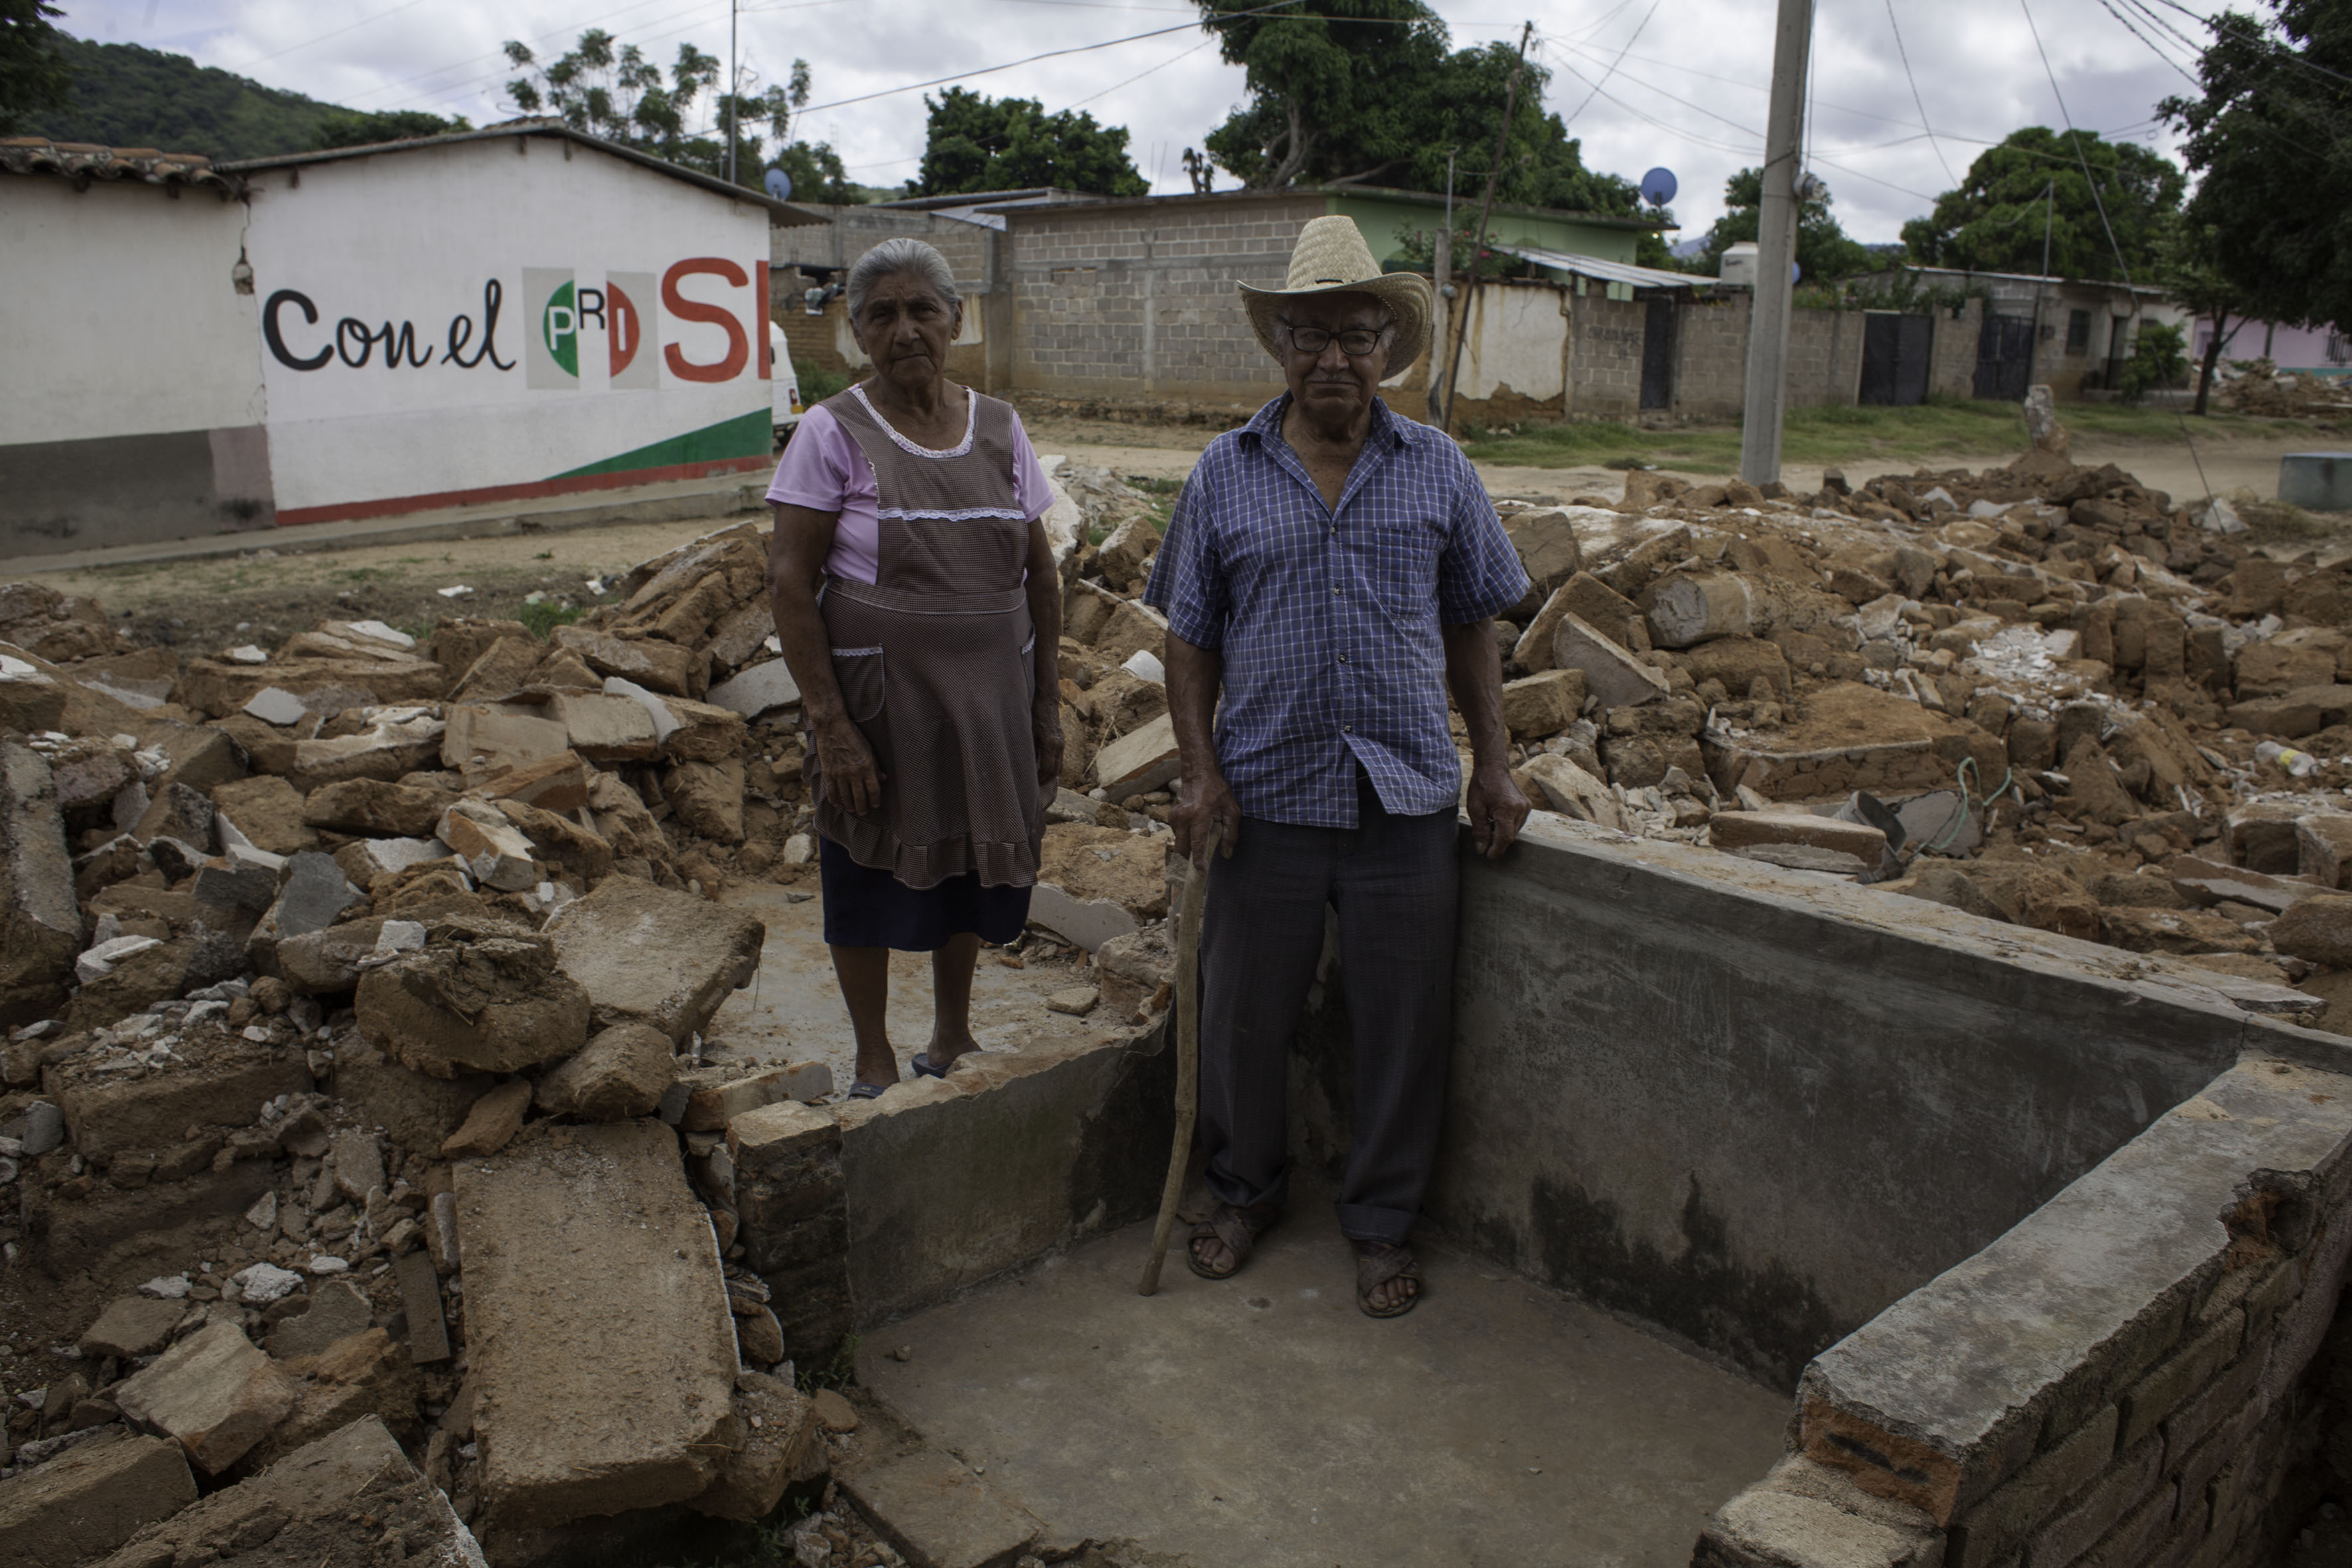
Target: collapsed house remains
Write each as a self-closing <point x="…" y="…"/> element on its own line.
<point x="362" y="988"/>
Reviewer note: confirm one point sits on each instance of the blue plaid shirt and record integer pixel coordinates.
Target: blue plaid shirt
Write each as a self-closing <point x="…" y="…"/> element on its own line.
<point x="1328" y="621"/>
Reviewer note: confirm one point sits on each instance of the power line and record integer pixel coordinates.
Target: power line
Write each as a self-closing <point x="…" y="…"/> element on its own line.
<point x="1139" y="76"/>
<point x="1048" y="54"/>
<point x="2108" y="5"/>
<point x="1613" y="64"/>
<point x="338" y="32"/>
<point x="1905" y="56"/>
<point x="2075" y="137"/>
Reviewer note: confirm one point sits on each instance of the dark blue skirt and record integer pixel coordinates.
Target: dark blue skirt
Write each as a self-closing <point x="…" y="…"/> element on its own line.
<point x="865" y="907"/>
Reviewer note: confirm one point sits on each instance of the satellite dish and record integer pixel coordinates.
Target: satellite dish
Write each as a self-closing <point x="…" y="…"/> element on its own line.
<point x="780" y="184"/>
<point x="1658" y="187"/>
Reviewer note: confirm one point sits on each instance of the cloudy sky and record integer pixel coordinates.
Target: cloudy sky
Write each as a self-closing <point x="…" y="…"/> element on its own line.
<point x="1677" y="83"/>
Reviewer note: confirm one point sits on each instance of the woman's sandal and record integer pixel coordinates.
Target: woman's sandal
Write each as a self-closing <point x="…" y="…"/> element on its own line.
<point x="1377" y="1263"/>
<point x="861" y="1090"/>
<point x="1238" y="1227"/>
<point x="924" y="1067"/>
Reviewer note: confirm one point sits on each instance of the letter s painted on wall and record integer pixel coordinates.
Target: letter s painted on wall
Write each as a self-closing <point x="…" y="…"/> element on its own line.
<point x="738" y="347"/>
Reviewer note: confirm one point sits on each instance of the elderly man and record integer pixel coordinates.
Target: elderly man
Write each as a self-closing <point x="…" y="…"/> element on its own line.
<point x="1331" y="569"/>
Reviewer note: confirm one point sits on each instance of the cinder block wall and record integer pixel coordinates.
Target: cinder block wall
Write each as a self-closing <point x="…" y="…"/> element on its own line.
<point x="2151" y="1369"/>
<point x="1952" y="367"/>
<point x="1141" y="302"/>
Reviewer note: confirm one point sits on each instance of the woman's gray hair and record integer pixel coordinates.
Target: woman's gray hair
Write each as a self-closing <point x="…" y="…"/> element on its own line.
<point x="900" y="255"/>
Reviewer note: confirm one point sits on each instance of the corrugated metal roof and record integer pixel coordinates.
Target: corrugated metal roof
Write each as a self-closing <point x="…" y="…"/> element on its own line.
<point x="82" y="162"/>
<point x="1606" y="271"/>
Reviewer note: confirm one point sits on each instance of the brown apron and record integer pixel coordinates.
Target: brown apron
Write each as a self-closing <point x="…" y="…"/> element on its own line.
<point x="935" y="661"/>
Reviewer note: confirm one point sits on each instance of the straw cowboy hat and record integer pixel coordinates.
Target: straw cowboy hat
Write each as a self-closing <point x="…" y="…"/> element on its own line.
<point x="1331" y="258"/>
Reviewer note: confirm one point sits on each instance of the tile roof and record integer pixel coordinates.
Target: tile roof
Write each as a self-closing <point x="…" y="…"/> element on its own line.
<point x="82" y="162"/>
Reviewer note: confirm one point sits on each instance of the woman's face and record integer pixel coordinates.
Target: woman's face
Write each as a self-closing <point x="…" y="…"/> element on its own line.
<point x="905" y="329"/>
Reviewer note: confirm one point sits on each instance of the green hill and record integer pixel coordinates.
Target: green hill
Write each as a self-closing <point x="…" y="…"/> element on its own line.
<point x="127" y="96"/>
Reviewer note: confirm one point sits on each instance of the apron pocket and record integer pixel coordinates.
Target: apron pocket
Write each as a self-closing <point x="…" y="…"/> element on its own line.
<point x="859" y="672"/>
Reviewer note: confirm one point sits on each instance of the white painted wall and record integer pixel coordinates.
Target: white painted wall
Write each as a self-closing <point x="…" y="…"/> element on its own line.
<point x="414" y="240"/>
<point x="119" y="316"/>
<point x="1518" y="338"/>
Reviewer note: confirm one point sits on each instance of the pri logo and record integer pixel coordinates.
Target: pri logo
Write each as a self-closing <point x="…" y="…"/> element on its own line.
<point x="559" y="311"/>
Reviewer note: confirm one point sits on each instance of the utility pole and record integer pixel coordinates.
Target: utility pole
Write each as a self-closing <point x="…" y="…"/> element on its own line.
<point x="731" y="6"/>
<point x="1442" y="269"/>
<point x="1486" y="212"/>
<point x="1776" y="249"/>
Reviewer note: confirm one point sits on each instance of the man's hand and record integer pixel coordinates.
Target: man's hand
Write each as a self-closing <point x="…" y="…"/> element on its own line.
<point x="1498" y="810"/>
<point x="1203" y="800"/>
<point x="846" y="764"/>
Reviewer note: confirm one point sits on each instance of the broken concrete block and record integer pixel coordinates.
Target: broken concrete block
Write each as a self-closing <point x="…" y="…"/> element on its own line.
<point x="30" y="700"/>
<point x="177" y="811"/>
<point x="1131" y="625"/>
<point x="1572" y="791"/>
<point x="267" y="811"/>
<point x="703" y="731"/>
<point x="375" y="805"/>
<point x="665" y="666"/>
<point x="647" y="955"/>
<point x="621" y="1072"/>
<point x="338" y="1309"/>
<point x="1687" y="609"/>
<point x="2318" y="929"/>
<point x="495" y="851"/>
<point x="420" y="1301"/>
<point x="1088" y="922"/>
<point x="341" y="1497"/>
<point x="369" y="858"/>
<point x="40" y="915"/>
<point x="91" y="1498"/>
<point x="1611" y="673"/>
<point x="607" y="727"/>
<point x="793" y="1218"/>
<point x="276" y="705"/>
<point x="314" y="895"/>
<point x="498" y="735"/>
<point x="1076" y="1000"/>
<point x="498" y="670"/>
<point x="416" y="1111"/>
<point x="934" y="1510"/>
<point x="708" y="798"/>
<point x="131" y="1326"/>
<point x="492" y="1123"/>
<point x="214" y="1079"/>
<point x="740" y="634"/>
<point x="2207" y="882"/>
<point x="1090" y="862"/>
<point x="779" y="1428"/>
<point x="2324" y="848"/>
<point x="558" y="783"/>
<point x="1140" y="760"/>
<point x="482" y="996"/>
<point x="560" y="841"/>
<point x="1546" y="543"/>
<point x="388" y="750"/>
<point x="1541" y="705"/>
<point x="98" y="961"/>
<point x="759" y="690"/>
<point x="326" y="963"/>
<point x="1748" y="829"/>
<point x="759" y="1337"/>
<point x="214" y="1394"/>
<point x="556" y="1350"/>
<point x="360" y="1376"/>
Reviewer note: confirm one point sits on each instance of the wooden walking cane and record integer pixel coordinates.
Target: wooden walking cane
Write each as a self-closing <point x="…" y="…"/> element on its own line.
<point x="1188" y="1055"/>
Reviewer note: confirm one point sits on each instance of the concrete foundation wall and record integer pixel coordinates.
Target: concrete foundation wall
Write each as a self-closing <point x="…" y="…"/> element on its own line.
<point x="1755" y="1108"/>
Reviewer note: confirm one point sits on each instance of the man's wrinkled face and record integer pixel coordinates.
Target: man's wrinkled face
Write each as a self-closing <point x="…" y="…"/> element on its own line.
<point x="1335" y="349"/>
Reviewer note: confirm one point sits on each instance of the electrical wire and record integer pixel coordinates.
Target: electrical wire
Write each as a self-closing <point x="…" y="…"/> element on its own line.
<point x="1905" y="55"/>
<point x="1139" y="76"/>
<point x="338" y="32"/>
<point x="2077" y="138"/>
<point x="2108" y="5"/>
<point x="1589" y="96"/>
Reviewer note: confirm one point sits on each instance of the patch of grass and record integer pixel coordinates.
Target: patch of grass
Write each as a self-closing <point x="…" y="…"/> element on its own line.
<point x="817" y="384"/>
<point x="841" y="1371"/>
<point x="546" y="616"/>
<point x="1156" y="484"/>
<point x="1839" y="434"/>
<point x="359" y="575"/>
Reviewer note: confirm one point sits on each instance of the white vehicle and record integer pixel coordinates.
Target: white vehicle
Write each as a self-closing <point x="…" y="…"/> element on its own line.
<point x="787" y="385"/>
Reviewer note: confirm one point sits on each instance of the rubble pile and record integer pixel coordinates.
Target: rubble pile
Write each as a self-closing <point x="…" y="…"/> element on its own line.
<point x="2256" y="387"/>
<point x="2044" y="693"/>
<point x="361" y="1150"/>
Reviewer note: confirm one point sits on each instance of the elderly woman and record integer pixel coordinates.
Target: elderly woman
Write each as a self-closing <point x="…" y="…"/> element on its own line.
<point x="919" y="609"/>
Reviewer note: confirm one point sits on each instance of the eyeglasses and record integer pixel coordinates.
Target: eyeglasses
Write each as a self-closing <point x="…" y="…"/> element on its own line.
<point x="1355" y="344"/>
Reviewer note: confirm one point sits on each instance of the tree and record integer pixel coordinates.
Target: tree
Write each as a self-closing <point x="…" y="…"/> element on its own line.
<point x="353" y="128"/>
<point x="1994" y="222"/>
<point x="618" y="95"/>
<point x="1824" y="253"/>
<point x="2186" y="269"/>
<point x="1370" y="91"/>
<point x="34" y="75"/>
<point x="980" y="144"/>
<point x="817" y="176"/>
<point x="2157" y="359"/>
<point x="2274" y="165"/>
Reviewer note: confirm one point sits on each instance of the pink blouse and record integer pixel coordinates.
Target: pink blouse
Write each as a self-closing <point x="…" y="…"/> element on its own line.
<point x="823" y="471"/>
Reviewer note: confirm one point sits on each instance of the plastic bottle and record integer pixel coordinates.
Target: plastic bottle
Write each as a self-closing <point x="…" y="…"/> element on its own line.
<point x="2299" y="764"/>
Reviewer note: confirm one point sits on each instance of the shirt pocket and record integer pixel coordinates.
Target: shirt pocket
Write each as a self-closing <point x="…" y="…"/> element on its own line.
<point x="1401" y="554"/>
<point x="859" y="672"/>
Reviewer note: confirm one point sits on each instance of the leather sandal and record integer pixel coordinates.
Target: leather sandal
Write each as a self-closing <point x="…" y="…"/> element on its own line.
<point x="1238" y="1227"/>
<point x="1377" y="1263"/>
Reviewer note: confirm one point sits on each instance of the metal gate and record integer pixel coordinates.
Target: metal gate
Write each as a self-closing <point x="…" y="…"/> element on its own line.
<point x="1658" y="355"/>
<point x="2004" y="358"/>
<point x="1895" y="351"/>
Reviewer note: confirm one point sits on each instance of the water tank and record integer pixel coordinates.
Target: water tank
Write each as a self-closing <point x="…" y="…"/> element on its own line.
<point x="1738" y="265"/>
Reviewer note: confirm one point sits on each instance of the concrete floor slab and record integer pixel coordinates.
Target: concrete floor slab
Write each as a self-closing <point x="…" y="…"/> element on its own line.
<point x="793" y="1011"/>
<point x="1264" y="1420"/>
